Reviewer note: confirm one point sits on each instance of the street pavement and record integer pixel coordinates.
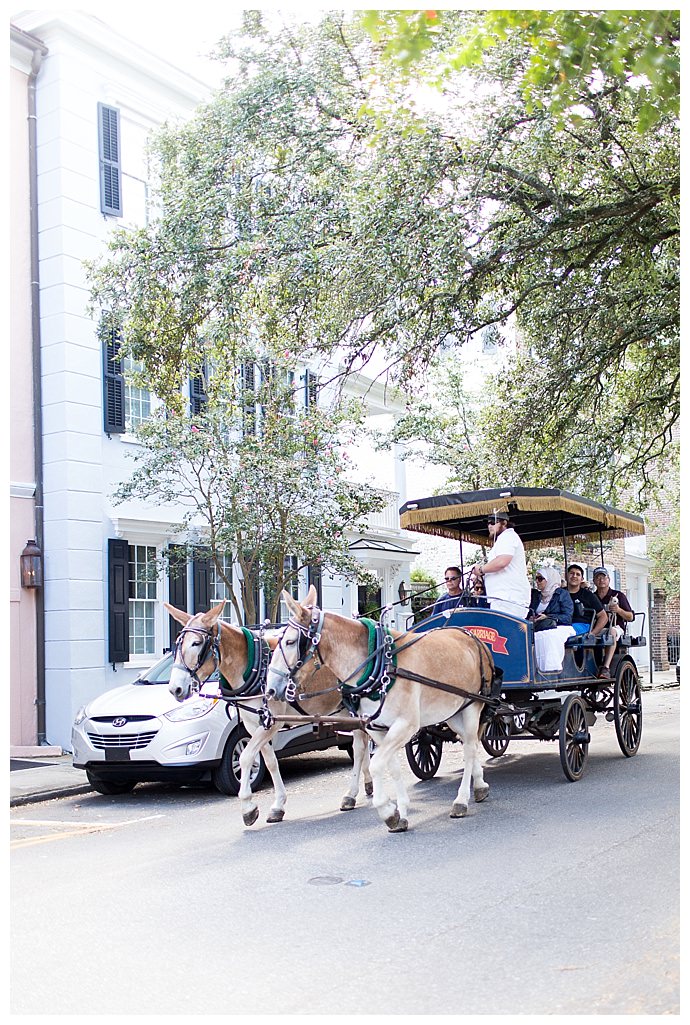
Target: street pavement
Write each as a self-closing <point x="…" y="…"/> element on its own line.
<point x="41" y="778"/>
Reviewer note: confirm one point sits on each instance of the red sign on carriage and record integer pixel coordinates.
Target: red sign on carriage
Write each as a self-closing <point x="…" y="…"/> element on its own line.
<point x="490" y="637"/>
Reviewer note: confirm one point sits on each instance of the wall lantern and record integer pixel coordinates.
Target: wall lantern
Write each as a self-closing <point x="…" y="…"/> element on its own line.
<point x="402" y="593"/>
<point x="30" y="561"/>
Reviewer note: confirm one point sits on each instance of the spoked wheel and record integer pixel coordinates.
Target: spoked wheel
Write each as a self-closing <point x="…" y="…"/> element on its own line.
<point x="497" y="735"/>
<point x="424" y="754"/>
<point x="573" y="737"/>
<point x="627" y="709"/>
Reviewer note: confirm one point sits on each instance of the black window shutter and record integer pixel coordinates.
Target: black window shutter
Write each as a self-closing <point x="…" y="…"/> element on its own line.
<point x="311" y="385"/>
<point x="314" y="577"/>
<point x="109" y="159"/>
<point x="118" y="600"/>
<point x="113" y="383"/>
<point x="177" y="588"/>
<point x="202" y="595"/>
<point x="197" y="393"/>
<point x="248" y="398"/>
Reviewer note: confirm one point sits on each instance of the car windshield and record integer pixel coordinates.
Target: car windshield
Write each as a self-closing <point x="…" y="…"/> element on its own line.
<point x="160" y="673"/>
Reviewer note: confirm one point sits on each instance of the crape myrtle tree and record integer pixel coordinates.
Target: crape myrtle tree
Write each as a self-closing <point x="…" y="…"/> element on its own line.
<point x="260" y="478"/>
<point x="319" y="204"/>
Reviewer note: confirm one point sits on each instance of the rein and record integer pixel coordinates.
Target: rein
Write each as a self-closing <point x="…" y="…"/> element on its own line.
<point x="210" y="646"/>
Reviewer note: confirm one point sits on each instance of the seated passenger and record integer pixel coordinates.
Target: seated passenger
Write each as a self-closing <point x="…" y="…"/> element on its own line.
<point x="613" y="601"/>
<point x="451" y="600"/>
<point x="551" y="611"/>
<point x="585" y="603"/>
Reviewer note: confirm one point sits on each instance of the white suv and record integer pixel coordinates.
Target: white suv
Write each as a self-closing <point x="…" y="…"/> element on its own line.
<point x="139" y="733"/>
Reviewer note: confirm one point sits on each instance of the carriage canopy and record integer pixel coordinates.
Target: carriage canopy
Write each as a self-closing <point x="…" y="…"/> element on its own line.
<point x="542" y="516"/>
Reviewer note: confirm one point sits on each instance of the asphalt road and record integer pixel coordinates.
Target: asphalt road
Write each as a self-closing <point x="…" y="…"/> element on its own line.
<point x="550" y="897"/>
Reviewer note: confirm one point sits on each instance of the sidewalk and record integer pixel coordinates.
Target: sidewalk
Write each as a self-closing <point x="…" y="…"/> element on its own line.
<point x="38" y="777"/>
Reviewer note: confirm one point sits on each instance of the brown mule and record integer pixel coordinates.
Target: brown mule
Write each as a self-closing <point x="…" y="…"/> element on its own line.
<point x="447" y="655"/>
<point x="232" y="648"/>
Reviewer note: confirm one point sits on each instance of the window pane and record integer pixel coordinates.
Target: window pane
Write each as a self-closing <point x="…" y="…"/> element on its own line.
<point x="143" y="593"/>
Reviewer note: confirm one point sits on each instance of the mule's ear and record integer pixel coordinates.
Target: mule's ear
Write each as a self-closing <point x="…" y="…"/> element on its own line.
<point x="213" y="615"/>
<point x="311" y="596"/>
<point x="177" y="614"/>
<point x="294" y="606"/>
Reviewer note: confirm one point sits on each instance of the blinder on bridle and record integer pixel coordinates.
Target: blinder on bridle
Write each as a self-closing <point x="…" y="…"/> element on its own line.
<point x="209" y="646"/>
<point x="309" y="637"/>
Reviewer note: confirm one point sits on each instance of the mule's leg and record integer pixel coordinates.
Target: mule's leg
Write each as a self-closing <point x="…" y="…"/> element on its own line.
<point x="259" y="740"/>
<point x="466" y="724"/>
<point x="360" y="755"/>
<point x="277" y="812"/>
<point x="387" y="750"/>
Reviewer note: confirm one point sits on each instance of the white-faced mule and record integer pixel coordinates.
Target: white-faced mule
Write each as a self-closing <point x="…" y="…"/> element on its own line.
<point x="428" y="678"/>
<point x="205" y="644"/>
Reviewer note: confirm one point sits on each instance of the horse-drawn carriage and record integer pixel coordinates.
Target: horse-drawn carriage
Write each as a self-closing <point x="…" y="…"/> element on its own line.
<point x="534" y="705"/>
<point x="478" y="684"/>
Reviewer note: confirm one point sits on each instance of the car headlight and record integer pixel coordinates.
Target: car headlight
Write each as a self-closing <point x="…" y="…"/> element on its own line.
<point x="80" y="716"/>
<point x="193" y="710"/>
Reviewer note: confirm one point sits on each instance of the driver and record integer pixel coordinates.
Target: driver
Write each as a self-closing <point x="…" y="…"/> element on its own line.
<point x="505" y="574"/>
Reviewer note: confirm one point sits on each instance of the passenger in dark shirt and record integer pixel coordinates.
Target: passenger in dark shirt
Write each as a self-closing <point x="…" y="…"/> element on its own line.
<point x="585" y="602"/>
<point x="613" y="602"/>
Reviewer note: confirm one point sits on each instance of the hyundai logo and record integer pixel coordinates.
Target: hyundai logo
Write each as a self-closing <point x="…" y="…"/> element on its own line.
<point x="120" y="721"/>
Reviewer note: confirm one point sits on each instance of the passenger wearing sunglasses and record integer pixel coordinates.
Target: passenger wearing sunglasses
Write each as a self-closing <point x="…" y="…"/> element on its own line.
<point x="451" y="600"/>
<point x="551" y="611"/>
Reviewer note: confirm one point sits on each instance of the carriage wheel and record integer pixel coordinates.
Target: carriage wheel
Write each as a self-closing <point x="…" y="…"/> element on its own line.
<point x="496" y="736"/>
<point x="627" y="709"/>
<point x="573" y="737"/>
<point x="424" y="754"/>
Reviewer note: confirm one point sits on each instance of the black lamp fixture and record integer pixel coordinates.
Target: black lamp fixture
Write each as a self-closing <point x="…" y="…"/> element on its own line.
<point x="402" y="593"/>
<point x="30" y="561"/>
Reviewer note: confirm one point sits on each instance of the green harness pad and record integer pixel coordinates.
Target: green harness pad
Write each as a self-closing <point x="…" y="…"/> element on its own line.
<point x="250" y="660"/>
<point x="369" y="667"/>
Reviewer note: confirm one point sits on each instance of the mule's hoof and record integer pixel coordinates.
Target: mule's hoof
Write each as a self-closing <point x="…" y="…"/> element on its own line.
<point x="276" y="815"/>
<point x="393" y="820"/>
<point x="458" y="811"/>
<point x="347" y="803"/>
<point x="481" y="793"/>
<point x="369" y="789"/>
<point x="400" y="828"/>
<point x="250" y="817"/>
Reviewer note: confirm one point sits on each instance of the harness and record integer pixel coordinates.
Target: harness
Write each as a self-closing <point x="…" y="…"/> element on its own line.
<point x="254" y="676"/>
<point x="210" y="646"/>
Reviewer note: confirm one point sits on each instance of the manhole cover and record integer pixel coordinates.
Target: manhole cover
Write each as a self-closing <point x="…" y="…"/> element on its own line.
<point x="325" y="880"/>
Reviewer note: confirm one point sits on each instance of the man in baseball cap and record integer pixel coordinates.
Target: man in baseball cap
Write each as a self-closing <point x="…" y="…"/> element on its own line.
<point x="613" y="601"/>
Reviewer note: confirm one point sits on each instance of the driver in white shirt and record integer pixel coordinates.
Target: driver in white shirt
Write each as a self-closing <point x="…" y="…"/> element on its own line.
<point x="505" y="574"/>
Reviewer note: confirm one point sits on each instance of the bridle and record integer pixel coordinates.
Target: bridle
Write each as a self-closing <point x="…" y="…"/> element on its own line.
<point x="309" y="638"/>
<point x="209" y="646"/>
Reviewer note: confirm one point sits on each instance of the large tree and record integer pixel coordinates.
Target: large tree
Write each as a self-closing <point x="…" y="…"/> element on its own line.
<point x="290" y="210"/>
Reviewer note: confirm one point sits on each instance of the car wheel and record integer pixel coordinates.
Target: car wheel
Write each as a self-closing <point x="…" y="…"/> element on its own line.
<point x="108" y="787"/>
<point x="226" y="776"/>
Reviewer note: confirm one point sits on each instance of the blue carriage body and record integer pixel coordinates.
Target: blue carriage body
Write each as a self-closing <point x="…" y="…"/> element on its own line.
<point x="511" y="641"/>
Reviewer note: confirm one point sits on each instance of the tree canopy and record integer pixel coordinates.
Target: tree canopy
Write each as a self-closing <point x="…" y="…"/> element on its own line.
<point x="320" y="205"/>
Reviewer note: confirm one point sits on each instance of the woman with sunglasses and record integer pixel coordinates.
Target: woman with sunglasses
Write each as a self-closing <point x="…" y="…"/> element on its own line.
<point x="551" y="611"/>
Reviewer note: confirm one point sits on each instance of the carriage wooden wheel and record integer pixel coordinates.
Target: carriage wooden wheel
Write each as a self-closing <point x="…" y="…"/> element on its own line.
<point x="497" y="735"/>
<point x="627" y="709"/>
<point x="424" y="754"/>
<point x="573" y="737"/>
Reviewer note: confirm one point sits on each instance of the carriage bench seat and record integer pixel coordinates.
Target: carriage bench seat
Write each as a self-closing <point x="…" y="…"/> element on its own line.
<point x="586" y="641"/>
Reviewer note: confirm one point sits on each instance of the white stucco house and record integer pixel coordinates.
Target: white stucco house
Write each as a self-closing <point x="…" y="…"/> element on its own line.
<point x="97" y="97"/>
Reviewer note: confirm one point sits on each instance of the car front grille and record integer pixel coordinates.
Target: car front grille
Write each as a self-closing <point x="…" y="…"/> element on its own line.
<point x="128" y="741"/>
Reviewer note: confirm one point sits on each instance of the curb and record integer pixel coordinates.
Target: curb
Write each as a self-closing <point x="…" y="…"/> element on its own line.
<point x="49" y="795"/>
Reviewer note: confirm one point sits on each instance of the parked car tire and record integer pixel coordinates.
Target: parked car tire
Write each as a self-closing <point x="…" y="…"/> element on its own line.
<point x="226" y="776"/>
<point x="107" y="787"/>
